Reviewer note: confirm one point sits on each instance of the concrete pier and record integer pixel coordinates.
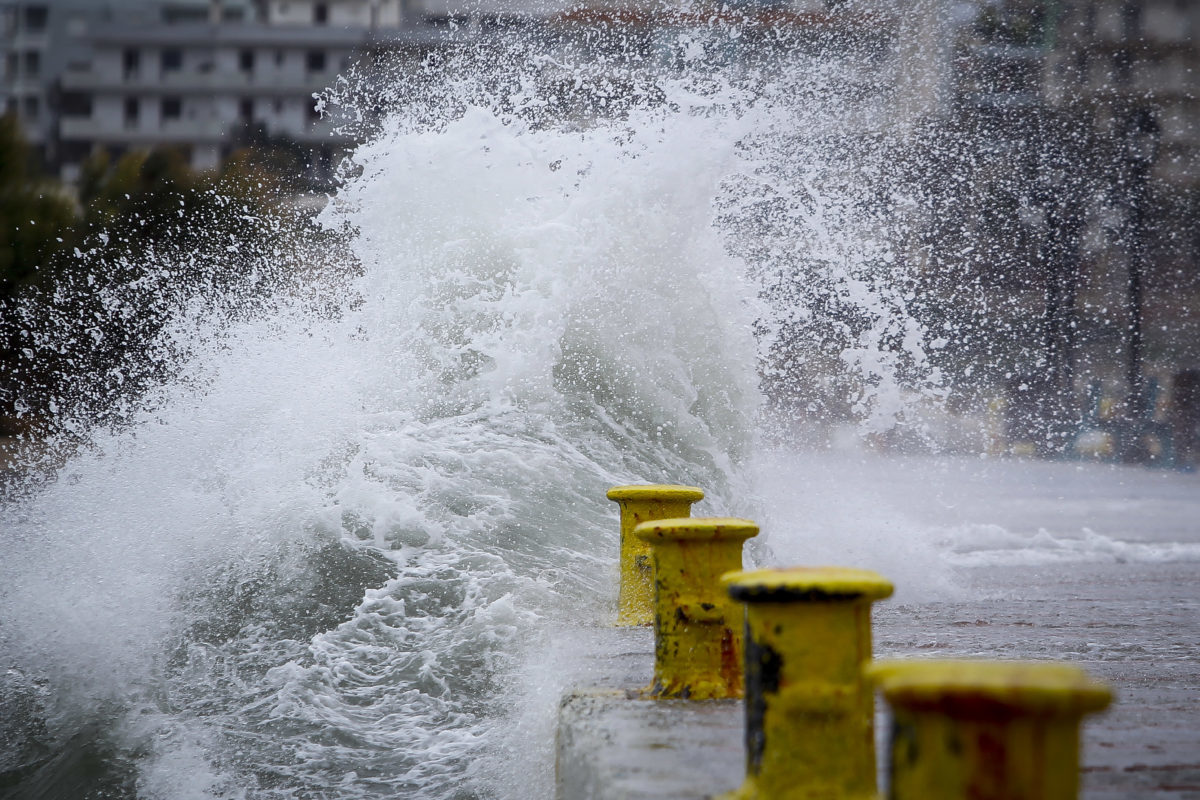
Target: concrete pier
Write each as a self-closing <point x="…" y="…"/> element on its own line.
<point x="614" y="745"/>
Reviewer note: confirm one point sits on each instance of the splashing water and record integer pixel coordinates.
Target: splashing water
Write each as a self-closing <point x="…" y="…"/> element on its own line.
<point x="310" y="563"/>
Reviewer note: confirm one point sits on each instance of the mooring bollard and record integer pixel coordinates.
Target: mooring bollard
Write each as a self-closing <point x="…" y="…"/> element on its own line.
<point x="1000" y="730"/>
<point x="635" y="596"/>
<point x="810" y="729"/>
<point x="697" y="628"/>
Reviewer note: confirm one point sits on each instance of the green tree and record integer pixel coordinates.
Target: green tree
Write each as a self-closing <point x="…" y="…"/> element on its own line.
<point x="36" y="217"/>
<point x="157" y="242"/>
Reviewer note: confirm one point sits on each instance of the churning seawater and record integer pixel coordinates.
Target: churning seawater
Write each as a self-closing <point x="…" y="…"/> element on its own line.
<point x="332" y="554"/>
<point x="317" y="562"/>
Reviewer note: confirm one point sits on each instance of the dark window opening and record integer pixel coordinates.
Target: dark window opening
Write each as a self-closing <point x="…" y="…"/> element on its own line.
<point x="72" y="151"/>
<point x="131" y="60"/>
<point x="32" y="107"/>
<point x="315" y="60"/>
<point x="172" y="108"/>
<point x="246" y="60"/>
<point x="172" y="60"/>
<point x="131" y="112"/>
<point x="33" y="62"/>
<point x="36" y="18"/>
<point x="246" y="109"/>
<point x="1132" y="17"/>
<point x="320" y="13"/>
<point x="76" y="104"/>
<point x="177" y="15"/>
<point x="1122" y="65"/>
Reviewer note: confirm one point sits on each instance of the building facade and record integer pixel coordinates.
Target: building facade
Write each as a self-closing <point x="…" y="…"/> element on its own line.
<point x="204" y="76"/>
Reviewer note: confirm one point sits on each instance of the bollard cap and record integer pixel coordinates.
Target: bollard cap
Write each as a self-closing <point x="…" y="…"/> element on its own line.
<point x="989" y="689"/>
<point x="806" y="584"/>
<point x="695" y="529"/>
<point x="656" y="491"/>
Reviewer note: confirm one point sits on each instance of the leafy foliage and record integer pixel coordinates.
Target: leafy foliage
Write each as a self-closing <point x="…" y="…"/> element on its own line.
<point x="150" y="241"/>
<point x="38" y="218"/>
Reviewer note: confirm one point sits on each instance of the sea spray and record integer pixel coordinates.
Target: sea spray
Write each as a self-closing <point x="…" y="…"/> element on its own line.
<point x="310" y="560"/>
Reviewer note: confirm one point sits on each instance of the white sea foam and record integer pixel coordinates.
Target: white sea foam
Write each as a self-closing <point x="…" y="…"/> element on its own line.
<point x="993" y="545"/>
<point x="313" y="560"/>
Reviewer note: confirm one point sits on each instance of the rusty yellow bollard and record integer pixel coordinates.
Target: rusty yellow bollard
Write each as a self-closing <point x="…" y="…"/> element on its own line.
<point x="991" y="729"/>
<point x="810" y="729"/>
<point x="697" y="628"/>
<point x="635" y="596"/>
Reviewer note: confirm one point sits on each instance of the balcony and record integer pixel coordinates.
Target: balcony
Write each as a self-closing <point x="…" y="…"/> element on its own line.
<point x="116" y="131"/>
<point x="179" y="131"/>
<point x="28" y="40"/>
<point x="231" y="82"/>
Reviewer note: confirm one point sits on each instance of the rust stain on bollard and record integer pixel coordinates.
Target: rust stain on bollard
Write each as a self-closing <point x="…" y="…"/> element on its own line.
<point x="643" y="503"/>
<point x="698" y="630"/>
<point x="998" y="730"/>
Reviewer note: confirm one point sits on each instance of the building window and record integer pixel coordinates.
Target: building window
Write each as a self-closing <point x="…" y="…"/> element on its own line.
<point x="36" y="18"/>
<point x="279" y="58"/>
<point x="246" y="60"/>
<point x="246" y="109"/>
<point x="131" y="112"/>
<point x="172" y="108"/>
<point x="315" y="60"/>
<point x="33" y="62"/>
<point x="320" y="13"/>
<point x="132" y="62"/>
<point x="76" y="104"/>
<point x="172" y="60"/>
<point x="32" y="107"/>
<point x="1122" y="61"/>
<point x="176" y="15"/>
<point x="313" y="115"/>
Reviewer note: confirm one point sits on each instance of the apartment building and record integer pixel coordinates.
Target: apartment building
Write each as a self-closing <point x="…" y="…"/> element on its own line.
<point x="33" y="54"/>
<point x="198" y="86"/>
<point x="202" y="76"/>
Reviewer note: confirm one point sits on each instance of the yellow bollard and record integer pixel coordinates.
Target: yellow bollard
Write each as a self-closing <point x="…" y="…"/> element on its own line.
<point x="809" y="709"/>
<point x="697" y="628"/>
<point x="635" y="597"/>
<point x="978" y="729"/>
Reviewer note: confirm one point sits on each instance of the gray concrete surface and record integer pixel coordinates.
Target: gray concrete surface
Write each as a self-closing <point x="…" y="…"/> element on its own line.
<point x="613" y="744"/>
<point x="1136" y="626"/>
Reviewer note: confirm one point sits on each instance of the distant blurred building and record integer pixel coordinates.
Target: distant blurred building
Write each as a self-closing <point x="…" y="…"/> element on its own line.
<point x="1074" y="167"/>
<point x="1130" y="70"/>
<point x="35" y="47"/>
<point x="200" y="75"/>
